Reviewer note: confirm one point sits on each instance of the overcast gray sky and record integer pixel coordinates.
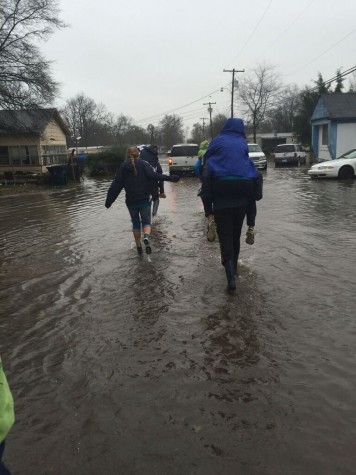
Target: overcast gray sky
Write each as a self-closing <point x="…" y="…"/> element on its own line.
<point x="145" y="58"/>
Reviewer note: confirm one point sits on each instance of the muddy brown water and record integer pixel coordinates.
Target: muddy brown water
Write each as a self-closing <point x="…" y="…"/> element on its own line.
<point x="121" y="364"/>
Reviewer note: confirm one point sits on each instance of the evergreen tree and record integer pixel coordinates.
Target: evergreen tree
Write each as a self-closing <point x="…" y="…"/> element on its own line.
<point x="302" y="128"/>
<point x="339" y="82"/>
<point x="321" y="86"/>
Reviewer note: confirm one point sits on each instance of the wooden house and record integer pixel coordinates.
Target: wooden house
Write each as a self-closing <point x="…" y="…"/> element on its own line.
<point x="31" y="141"/>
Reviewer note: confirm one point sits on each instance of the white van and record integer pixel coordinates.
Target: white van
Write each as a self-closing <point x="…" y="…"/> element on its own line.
<point x="182" y="158"/>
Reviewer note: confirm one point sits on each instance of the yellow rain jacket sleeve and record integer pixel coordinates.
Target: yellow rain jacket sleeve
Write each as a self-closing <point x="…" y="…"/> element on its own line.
<point x="7" y="414"/>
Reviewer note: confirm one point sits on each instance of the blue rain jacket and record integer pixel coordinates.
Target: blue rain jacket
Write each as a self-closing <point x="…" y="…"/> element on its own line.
<point x="227" y="153"/>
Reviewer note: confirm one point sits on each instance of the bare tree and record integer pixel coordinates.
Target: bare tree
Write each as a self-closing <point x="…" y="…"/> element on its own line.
<point x="171" y="130"/>
<point x="84" y="117"/>
<point x="258" y="94"/>
<point x="282" y="117"/>
<point x="120" y="129"/>
<point x="197" y="134"/>
<point x="218" y="122"/>
<point x="25" y="77"/>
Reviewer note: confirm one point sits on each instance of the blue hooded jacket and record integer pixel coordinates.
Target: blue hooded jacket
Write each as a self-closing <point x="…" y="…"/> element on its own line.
<point x="227" y="153"/>
<point x="136" y="185"/>
<point x="150" y="155"/>
<point x="230" y="178"/>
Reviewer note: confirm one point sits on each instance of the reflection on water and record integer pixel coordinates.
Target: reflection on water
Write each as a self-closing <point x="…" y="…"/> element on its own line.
<point x="129" y="364"/>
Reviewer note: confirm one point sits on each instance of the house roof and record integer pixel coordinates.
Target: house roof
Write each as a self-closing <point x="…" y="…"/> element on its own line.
<point x="336" y="105"/>
<point x="29" y="121"/>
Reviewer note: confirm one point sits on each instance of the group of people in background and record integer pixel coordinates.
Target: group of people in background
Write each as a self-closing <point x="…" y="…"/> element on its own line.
<point x="230" y="187"/>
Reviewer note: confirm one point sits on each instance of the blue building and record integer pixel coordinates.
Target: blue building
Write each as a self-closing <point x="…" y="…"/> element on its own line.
<point x="334" y="125"/>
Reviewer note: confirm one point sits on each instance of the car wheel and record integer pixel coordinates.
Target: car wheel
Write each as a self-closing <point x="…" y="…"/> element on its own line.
<point x="346" y="173"/>
<point x="265" y="167"/>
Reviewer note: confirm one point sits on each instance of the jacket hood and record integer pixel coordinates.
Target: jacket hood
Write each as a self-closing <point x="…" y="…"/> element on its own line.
<point x="151" y="149"/>
<point x="234" y="126"/>
<point x="203" y="148"/>
<point x="204" y="145"/>
<point x="227" y="154"/>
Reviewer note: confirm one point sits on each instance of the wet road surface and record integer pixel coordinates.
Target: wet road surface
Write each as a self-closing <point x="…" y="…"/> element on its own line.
<point x="121" y="364"/>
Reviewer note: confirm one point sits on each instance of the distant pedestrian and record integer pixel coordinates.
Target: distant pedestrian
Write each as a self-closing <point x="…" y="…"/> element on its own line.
<point x="136" y="177"/>
<point x="72" y="165"/>
<point x="198" y="169"/>
<point x="198" y="166"/>
<point x="7" y="415"/>
<point x="230" y="185"/>
<point x="150" y="155"/>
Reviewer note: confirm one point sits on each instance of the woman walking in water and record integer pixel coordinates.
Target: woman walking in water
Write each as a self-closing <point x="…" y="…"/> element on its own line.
<point x="136" y="177"/>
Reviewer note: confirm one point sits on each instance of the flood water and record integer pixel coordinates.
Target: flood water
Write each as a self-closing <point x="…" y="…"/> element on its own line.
<point x="121" y="364"/>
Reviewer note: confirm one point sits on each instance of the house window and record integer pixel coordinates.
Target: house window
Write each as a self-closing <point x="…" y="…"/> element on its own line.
<point x="325" y="134"/>
<point x="23" y="155"/>
<point x="54" y="154"/>
<point x="4" y="155"/>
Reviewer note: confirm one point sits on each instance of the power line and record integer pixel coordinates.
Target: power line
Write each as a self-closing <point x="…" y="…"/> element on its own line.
<point x="253" y="31"/>
<point x="177" y="108"/>
<point x="159" y="115"/>
<point x="324" y="52"/>
<point x="288" y="27"/>
<point x="329" y="81"/>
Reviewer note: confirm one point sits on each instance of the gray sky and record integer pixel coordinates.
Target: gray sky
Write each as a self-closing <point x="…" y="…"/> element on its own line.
<point x="144" y="58"/>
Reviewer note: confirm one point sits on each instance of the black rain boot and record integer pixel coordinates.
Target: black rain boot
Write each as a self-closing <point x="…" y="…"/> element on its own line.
<point x="230" y="275"/>
<point x="235" y="268"/>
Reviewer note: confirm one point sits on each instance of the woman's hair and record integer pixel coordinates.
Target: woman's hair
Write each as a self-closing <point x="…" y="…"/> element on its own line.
<point x="132" y="154"/>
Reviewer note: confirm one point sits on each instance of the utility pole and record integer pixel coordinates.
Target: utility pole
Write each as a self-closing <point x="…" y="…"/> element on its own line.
<point x="233" y="71"/>
<point x="203" y="119"/>
<point x="210" y="110"/>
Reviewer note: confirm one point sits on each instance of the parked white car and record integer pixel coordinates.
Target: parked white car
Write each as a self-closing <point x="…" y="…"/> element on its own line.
<point x="256" y="154"/>
<point x="343" y="167"/>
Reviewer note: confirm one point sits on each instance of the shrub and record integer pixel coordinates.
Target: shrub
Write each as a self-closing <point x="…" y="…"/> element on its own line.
<point x="105" y="163"/>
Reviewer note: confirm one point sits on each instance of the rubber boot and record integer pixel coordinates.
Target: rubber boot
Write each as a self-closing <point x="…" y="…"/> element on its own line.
<point x="230" y="275"/>
<point x="235" y="267"/>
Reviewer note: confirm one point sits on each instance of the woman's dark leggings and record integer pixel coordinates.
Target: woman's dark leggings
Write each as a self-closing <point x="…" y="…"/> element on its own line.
<point x="228" y="225"/>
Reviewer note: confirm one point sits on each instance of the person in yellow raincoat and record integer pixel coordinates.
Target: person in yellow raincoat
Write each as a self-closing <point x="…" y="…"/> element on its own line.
<point x="7" y="415"/>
